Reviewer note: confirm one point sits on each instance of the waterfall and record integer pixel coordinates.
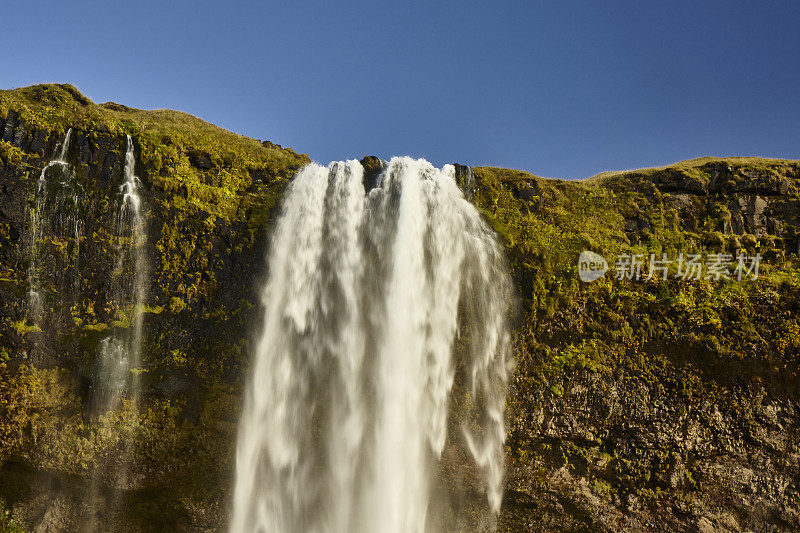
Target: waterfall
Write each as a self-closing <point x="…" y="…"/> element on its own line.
<point x="120" y="351"/>
<point x="382" y="311"/>
<point x="56" y="215"/>
<point x="116" y="384"/>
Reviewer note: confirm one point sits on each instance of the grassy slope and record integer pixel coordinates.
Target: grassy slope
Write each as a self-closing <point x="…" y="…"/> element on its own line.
<point x="167" y="139"/>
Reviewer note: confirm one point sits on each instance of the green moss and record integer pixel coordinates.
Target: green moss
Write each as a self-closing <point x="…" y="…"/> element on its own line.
<point x="749" y="241"/>
<point x="176" y="305"/>
<point x="697" y="168"/>
<point x="676" y="341"/>
<point x="589" y="355"/>
<point x="11" y="155"/>
<point x="23" y="327"/>
<point x="180" y="153"/>
<point x="7" y="525"/>
<point x="204" y="181"/>
<point x="714" y="240"/>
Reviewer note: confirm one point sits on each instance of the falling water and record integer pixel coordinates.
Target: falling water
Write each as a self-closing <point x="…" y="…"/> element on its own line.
<point x="120" y="352"/>
<point x="378" y="309"/>
<point x="56" y="214"/>
<point x="117" y="386"/>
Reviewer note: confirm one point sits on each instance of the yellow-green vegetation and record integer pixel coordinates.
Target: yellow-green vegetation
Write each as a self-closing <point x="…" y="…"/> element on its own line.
<point x="10" y="155"/>
<point x="205" y="176"/>
<point x="44" y="425"/>
<point x="7" y="525"/>
<point x="169" y="140"/>
<point x="697" y="168"/>
<point x="208" y="196"/>
<point x="22" y="328"/>
<point x="610" y="367"/>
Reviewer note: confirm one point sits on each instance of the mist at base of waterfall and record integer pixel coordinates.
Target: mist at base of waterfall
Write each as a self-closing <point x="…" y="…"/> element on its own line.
<point x="378" y="385"/>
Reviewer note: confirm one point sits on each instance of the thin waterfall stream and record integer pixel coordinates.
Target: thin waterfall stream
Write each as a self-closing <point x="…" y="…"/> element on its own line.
<point x="120" y="352"/>
<point x="383" y="313"/>
<point x="56" y="216"/>
<point x="117" y="383"/>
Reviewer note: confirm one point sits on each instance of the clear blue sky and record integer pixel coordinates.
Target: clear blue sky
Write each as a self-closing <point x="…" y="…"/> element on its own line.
<point x="560" y="88"/>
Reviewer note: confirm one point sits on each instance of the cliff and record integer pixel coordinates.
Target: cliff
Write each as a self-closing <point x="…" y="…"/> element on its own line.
<point x="635" y="404"/>
<point x="208" y="196"/>
<point x="661" y="404"/>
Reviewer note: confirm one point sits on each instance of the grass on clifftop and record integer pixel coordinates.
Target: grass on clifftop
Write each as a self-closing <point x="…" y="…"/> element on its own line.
<point x="176" y="149"/>
<point x="206" y="183"/>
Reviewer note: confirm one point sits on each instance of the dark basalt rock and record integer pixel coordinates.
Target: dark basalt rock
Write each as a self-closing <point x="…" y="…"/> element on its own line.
<point x="679" y="181"/>
<point x="751" y="182"/>
<point x="465" y="180"/>
<point x="373" y="166"/>
<point x="10" y="124"/>
<point x="20" y="136"/>
<point x="200" y="160"/>
<point x="272" y="145"/>
<point x="527" y="190"/>
<point x="39" y="142"/>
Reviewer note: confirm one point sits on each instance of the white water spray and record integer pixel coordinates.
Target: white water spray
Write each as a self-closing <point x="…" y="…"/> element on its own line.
<point x="347" y="412"/>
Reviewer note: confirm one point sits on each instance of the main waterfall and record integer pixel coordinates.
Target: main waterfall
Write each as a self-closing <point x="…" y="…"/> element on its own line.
<point x="382" y="311"/>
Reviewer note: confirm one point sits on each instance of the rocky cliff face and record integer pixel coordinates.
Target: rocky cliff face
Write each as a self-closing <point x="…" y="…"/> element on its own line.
<point x="208" y="195"/>
<point x="635" y="405"/>
<point x="645" y="405"/>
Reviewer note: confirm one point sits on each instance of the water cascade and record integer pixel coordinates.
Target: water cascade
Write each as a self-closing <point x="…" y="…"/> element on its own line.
<point x="116" y="384"/>
<point x="55" y="218"/>
<point x="120" y="352"/>
<point x="383" y="343"/>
